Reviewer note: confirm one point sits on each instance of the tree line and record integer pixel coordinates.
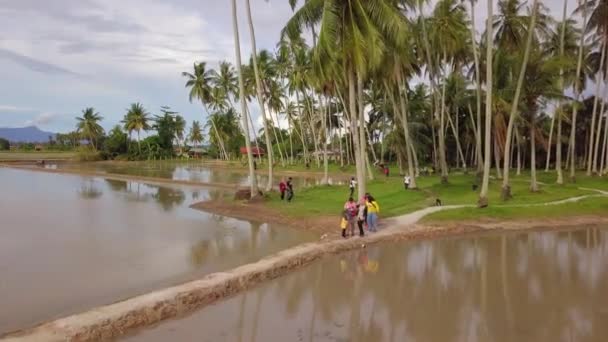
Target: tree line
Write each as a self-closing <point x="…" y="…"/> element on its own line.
<point x="387" y="79"/>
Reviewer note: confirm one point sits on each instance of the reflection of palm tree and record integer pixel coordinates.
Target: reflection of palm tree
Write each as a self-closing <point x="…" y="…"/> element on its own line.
<point x="168" y="197"/>
<point x="199" y="253"/>
<point x="117" y="185"/>
<point x="88" y="190"/>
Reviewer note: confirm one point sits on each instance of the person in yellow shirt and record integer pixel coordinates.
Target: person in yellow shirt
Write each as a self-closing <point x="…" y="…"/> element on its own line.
<point x="372" y="213"/>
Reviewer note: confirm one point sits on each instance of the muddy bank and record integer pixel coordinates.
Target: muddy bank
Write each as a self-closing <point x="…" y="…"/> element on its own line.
<point x="112" y="321"/>
<point x="113" y="176"/>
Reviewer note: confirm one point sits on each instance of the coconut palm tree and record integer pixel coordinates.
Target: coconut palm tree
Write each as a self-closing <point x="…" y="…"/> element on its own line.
<point x="244" y="113"/>
<point x="180" y="129"/>
<point x="88" y="126"/>
<point x="200" y="84"/>
<point x="196" y="135"/>
<point x="483" y="195"/>
<point x="136" y="119"/>
<point x="259" y="93"/>
<point x="355" y="33"/>
<point x="506" y="187"/>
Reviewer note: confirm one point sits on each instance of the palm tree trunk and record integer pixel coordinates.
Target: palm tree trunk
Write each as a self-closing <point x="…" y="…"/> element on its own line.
<point x="558" y="138"/>
<point x="359" y="162"/>
<point x="312" y="128"/>
<point x="276" y="137"/>
<point x="258" y="88"/>
<point x="442" y="152"/>
<point x="506" y="186"/>
<point x="604" y="147"/>
<point x="237" y="49"/>
<point x="497" y="159"/>
<point x="282" y="140"/>
<point x="405" y="126"/>
<point x="533" y="182"/>
<point x="362" y="140"/>
<point x="219" y="139"/>
<point x="598" y="82"/>
<point x="324" y="111"/>
<point x="548" y="161"/>
<point x="304" y="147"/>
<point x="483" y="195"/>
<point x="577" y="92"/>
<point x="255" y="136"/>
<point x="599" y="124"/>
<point x="458" y="146"/>
<point x="478" y="90"/>
<point x="518" y="140"/>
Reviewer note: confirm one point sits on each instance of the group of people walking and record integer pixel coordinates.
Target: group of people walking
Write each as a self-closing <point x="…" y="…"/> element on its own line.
<point x="362" y="213"/>
<point x="286" y="189"/>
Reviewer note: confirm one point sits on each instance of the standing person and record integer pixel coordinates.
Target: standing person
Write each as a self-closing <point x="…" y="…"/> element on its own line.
<point x="351" y="210"/>
<point x="344" y="222"/>
<point x="406" y="181"/>
<point x="351" y="185"/>
<point x="282" y="188"/>
<point x="372" y="213"/>
<point x="361" y="218"/>
<point x="386" y="171"/>
<point x="289" y="190"/>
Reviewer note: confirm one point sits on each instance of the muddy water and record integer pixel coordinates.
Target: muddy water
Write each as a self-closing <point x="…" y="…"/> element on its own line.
<point x="69" y="243"/>
<point x="191" y="171"/>
<point x="541" y="286"/>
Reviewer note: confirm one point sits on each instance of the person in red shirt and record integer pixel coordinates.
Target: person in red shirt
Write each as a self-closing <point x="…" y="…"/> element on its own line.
<point x="282" y="188"/>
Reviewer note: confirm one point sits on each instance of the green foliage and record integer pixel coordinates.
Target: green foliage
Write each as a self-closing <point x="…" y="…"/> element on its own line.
<point x="116" y="143"/>
<point x="4" y="145"/>
<point x="88" y="154"/>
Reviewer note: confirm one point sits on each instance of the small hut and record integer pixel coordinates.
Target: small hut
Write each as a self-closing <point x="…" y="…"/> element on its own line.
<point x="254" y="150"/>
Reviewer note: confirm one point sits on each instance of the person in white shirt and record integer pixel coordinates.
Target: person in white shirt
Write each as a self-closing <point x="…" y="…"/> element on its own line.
<point x="352" y="185"/>
<point x="406" y="181"/>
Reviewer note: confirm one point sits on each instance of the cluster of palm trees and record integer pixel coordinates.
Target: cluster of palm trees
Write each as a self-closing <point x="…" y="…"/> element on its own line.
<point x="170" y="130"/>
<point x="386" y="78"/>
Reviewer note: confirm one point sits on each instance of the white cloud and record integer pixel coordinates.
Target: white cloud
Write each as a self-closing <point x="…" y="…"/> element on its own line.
<point x="10" y="108"/>
<point x="42" y="119"/>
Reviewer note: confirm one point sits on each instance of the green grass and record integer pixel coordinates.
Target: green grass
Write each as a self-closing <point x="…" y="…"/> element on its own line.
<point x="35" y="155"/>
<point x="394" y="200"/>
<point x="587" y="206"/>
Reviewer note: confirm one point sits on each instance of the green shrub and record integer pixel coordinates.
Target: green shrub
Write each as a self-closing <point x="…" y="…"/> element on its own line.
<point x="88" y="154"/>
<point x="4" y="145"/>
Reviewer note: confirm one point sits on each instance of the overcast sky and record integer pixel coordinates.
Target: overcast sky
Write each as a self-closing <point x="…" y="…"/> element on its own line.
<point x="59" y="56"/>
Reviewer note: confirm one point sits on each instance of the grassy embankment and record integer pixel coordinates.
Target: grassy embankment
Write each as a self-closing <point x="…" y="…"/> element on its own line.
<point x="35" y="155"/>
<point x="394" y="200"/>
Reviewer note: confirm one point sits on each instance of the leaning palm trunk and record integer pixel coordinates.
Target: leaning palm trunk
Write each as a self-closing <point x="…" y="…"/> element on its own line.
<point x="406" y="132"/>
<point x="577" y="92"/>
<point x="255" y="136"/>
<point x="322" y="111"/>
<point x="458" y="146"/>
<point x="220" y="141"/>
<point x="594" y="112"/>
<point x="237" y="48"/>
<point x="483" y="195"/>
<point x="506" y="186"/>
<point x="478" y="90"/>
<point x="312" y="128"/>
<point x="258" y="89"/>
<point x="276" y="137"/>
<point x="604" y="146"/>
<point x="600" y="115"/>
<point x="304" y="147"/>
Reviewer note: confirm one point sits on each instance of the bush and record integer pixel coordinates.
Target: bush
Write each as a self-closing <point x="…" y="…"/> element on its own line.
<point x="4" y="145"/>
<point x="88" y="154"/>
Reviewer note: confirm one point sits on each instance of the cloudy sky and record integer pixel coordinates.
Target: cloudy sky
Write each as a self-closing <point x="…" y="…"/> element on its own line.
<point x="59" y="56"/>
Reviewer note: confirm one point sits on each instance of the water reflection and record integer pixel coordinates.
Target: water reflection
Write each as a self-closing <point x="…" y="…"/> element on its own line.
<point x="542" y="286"/>
<point x="194" y="172"/>
<point x="61" y="254"/>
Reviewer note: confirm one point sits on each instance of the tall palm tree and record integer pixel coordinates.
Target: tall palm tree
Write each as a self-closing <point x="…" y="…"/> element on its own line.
<point x="88" y="126"/>
<point x="577" y="93"/>
<point x="483" y="195"/>
<point x="199" y="83"/>
<point x="354" y="33"/>
<point x="196" y="135"/>
<point x="136" y="119"/>
<point x="244" y="113"/>
<point x="258" y="88"/>
<point x="506" y="187"/>
<point x="180" y="130"/>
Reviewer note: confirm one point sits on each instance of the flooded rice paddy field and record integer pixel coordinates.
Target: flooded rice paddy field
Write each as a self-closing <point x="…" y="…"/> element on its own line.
<point x="69" y="243"/>
<point x="190" y="171"/>
<point x="535" y="286"/>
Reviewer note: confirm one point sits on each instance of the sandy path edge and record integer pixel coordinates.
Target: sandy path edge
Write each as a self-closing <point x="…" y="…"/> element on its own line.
<point x="115" y="320"/>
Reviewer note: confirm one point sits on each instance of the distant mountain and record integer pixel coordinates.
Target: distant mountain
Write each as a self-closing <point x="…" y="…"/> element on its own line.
<point x="25" y="134"/>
